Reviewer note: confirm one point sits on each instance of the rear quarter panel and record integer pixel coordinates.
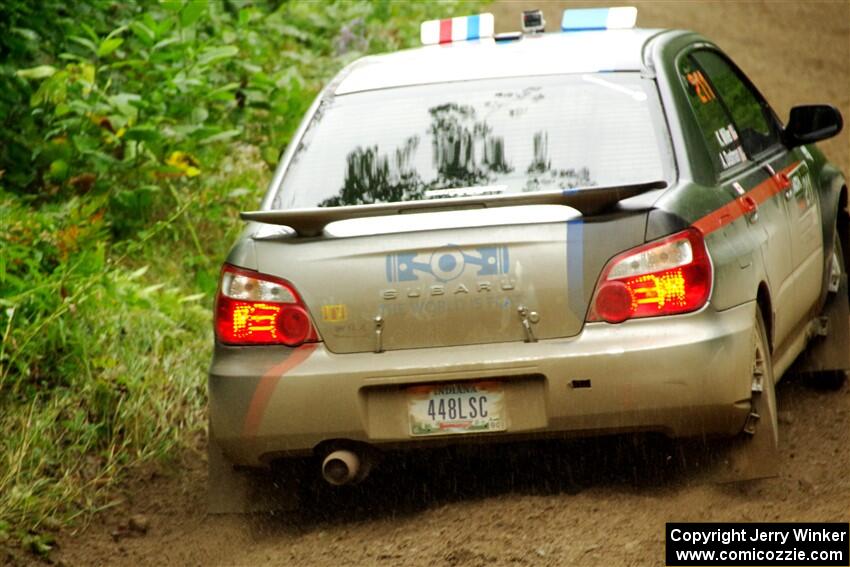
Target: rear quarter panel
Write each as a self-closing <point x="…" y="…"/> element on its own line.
<point x="734" y="250"/>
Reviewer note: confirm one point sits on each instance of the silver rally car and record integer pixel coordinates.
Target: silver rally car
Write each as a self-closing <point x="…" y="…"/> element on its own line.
<point x="492" y="238"/>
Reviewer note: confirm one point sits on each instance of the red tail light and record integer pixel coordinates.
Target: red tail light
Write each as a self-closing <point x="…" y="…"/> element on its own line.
<point x="256" y="309"/>
<point x="672" y="275"/>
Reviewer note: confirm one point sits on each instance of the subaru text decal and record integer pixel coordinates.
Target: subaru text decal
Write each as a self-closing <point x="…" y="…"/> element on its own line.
<point x="447" y="263"/>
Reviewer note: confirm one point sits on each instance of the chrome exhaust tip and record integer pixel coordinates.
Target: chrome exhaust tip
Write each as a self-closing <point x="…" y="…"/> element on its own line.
<point x="341" y="467"/>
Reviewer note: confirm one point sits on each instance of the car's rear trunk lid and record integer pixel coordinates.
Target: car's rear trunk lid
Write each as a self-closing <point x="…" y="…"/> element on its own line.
<point x="526" y="275"/>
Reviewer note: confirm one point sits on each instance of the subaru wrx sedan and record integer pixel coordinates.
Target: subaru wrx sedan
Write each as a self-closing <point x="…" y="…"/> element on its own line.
<point x="526" y="236"/>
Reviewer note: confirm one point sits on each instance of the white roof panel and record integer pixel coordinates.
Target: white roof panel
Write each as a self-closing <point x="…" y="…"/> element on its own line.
<point x="548" y="54"/>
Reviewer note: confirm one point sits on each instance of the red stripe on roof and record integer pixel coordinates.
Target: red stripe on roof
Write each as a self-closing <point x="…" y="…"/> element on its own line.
<point x="446" y="31"/>
<point x="735" y="209"/>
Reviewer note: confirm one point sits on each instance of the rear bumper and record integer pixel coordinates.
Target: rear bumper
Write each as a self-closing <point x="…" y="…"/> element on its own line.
<point x="682" y="376"/>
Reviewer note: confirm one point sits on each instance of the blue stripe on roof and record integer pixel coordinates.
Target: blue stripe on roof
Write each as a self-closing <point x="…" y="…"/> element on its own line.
<point x="585" y="19"/>
<point x="472" y="27"/>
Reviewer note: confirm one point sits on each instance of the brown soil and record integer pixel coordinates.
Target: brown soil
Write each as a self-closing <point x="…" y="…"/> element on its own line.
<point x="598" y="502"/>
<point x="589" y="503"/>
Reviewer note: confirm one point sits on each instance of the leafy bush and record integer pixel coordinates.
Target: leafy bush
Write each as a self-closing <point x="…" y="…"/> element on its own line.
<point x="131" y="134"/>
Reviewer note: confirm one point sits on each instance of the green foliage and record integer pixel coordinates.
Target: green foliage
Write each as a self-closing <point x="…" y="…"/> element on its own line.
<point x="131" y="135"/>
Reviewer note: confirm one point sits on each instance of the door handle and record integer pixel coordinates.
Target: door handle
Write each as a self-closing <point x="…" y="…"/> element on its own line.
<point x="783" y="181"/>
<point x="750" y="207"/>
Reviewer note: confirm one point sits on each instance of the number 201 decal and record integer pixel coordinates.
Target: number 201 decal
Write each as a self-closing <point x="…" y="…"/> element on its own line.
<point x="701" y="86"/>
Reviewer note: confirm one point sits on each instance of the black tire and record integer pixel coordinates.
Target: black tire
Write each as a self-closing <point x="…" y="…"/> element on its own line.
<point x="829" y="380"/>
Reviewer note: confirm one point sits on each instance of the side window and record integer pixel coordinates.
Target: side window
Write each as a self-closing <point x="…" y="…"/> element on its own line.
<point x="749" y="112"/>
<point x="718" y="131"/>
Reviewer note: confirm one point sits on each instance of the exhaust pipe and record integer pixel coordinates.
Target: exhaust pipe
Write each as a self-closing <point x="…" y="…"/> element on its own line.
<point x="342" y="467"/>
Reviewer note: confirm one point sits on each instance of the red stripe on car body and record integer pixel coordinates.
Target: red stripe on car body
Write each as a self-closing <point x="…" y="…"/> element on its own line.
<point x="735" y="209"/>
<point x="266" y="386"/>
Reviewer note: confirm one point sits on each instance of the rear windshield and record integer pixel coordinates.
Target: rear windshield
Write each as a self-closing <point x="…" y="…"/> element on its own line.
<point x="485" y="137"/>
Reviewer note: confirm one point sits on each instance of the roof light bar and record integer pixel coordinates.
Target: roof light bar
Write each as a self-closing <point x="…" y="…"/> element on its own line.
<point x="451" y="30"/>
<point x="588" y="19"/>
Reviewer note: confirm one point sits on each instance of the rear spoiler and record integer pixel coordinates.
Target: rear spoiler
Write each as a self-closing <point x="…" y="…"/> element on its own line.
<point x="588" y="201"/>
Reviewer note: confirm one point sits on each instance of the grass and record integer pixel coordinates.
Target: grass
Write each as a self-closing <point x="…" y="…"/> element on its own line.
<point x="120" y="378"/>
<point x="109" y="252"/>
<point x="140" y="396"/>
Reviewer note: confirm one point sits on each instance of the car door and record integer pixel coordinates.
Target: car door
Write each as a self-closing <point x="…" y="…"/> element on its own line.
<point x="781" y="186"/>
<point x="807" y="246"/>
<point x="764" y="229"/>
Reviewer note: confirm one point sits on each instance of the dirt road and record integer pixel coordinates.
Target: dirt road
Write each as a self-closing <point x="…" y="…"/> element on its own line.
<point x="588" y="503"/>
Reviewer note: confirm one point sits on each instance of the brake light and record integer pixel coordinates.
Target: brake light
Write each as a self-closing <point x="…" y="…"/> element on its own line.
<point x="670" y="276"/>
<point x="257" y="309"/>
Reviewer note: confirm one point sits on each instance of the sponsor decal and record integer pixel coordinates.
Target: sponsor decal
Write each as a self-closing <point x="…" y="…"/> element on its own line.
<point x="335" y="313"/>
<point x="801" y="185"/>
<point x="447" y="263"/>
<point x="731" y="152"/>
<point x="726" y="136"/>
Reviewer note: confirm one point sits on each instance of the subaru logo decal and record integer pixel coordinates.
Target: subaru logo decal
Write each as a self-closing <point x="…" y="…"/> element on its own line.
<point x="447" y="263"/>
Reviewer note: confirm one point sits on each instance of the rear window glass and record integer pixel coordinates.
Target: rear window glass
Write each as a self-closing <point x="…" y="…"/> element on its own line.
<point x="477" y="138"/>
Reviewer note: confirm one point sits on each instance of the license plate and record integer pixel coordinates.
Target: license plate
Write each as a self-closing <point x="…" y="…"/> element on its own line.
<point x="456" y="408"/>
